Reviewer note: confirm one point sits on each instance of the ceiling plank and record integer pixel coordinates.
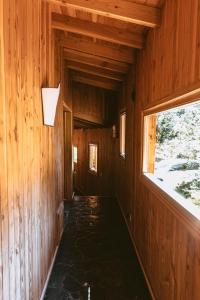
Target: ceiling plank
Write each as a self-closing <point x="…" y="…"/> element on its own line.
<point x="95" y="71"/>
<point x="97" y="81"/>
<point x="122" y="54"/>
<point x="119" y="9"/>
<point x="92" y="60"/>
<point x="96" y="30"/>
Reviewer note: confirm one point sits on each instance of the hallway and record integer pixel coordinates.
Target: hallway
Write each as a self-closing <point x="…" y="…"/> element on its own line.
<point x="100" y="97"/>
<point x="96" y="249"/>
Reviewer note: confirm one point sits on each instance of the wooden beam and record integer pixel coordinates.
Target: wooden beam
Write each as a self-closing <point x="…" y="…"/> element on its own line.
<point x="96" y="30"/>
<point x="93" y="60"/>
<point x="122" y="54"/>
<point x="97" y="81"/>
<point x="119" y="9"/>
<point x="95" y="70"/>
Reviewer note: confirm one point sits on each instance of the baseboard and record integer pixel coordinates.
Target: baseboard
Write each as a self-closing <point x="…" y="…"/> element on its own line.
<point x="50" y="269"/>
<point x="137" y="253"/>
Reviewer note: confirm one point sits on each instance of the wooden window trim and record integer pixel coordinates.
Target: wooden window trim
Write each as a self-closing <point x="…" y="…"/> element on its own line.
<point x="191" y="219"/>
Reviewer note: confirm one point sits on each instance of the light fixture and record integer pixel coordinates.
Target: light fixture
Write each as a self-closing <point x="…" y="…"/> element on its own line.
<point x="50" y="98"/>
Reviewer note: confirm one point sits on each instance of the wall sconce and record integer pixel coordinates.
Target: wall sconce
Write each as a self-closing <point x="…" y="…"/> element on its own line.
<point x="50" y="98"/>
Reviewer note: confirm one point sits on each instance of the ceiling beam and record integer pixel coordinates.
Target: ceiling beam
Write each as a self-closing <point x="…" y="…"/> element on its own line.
<point x="92" y="60"/>
<point x="121" y="54"/>
<point x="96" y="30"/>
<point x="95" y="71"/>
<point x="119" y="9"/>
<point x="97" y="81"/>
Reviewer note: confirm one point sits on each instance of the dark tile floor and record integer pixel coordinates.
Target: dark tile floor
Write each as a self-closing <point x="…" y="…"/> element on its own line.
<point x="95" y="260"/>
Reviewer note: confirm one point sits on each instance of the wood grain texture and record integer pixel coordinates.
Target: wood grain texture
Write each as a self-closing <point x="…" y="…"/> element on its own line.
<point x="85" y="181"/>
<point x="31" y="187"/>
<point x="94" y="60"/>
<point x="94" y="105"/>
<point x="68" y="180"/>
<point x="88" y="103"/>
<point x="95" y="80"/>
<point x="97" y="31"/>
<point x="121" y="54"/>
<point x="121" y="10"/>
<point x="166" y="236"/>
<point x="4" y="237"/>
<point x="78" y="66"/>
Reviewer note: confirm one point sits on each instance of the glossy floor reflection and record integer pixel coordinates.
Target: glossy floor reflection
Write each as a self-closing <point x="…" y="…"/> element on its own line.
<point x="96" y="260"/>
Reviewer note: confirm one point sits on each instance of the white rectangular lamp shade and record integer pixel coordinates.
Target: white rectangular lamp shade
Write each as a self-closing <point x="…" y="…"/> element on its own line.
<point x="50" y="98"/>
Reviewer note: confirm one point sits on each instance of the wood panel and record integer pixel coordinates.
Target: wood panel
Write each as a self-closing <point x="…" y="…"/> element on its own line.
<point x="94" y="105"/>
<point x="31" y="182"/>
<point x="87" y="182"/>
<point x="68" y="189"/>
<point x="4" y="238"/>
<point x="121" y="54"/>
<point x="97" y="31"/>
<point x="88" y="103"/>
<point x="78" y="66"/>
<point x="124" y="168"/>
<point x="121" y="10"/>
<point x="93" y="60"/>
<point x="95" y="80"/>
<point x="166" y="236"/>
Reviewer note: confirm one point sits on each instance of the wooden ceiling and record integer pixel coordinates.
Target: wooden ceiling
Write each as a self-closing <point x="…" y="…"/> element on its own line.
<point x="100" y="37"/>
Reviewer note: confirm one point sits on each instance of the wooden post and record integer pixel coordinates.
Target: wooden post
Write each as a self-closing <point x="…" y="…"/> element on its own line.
<point x="149" y="143"/>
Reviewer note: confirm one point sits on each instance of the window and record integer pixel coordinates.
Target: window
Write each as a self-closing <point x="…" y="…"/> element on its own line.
<point x="75" y="154"/>
<point x="172" y="153"/>
<point x="93" y="152"/>
<point x="122" y="134"/>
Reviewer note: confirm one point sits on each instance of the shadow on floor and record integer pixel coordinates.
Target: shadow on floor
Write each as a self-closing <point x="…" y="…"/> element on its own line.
<point x="95" y="260"/>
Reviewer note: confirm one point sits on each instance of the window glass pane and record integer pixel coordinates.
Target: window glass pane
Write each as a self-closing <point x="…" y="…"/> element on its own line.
<point x="75" y="154"/>
<point x="93" y="149"/>
<point x="174" y="153"/>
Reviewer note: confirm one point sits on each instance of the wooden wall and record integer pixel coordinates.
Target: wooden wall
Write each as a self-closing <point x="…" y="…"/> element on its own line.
<point x="31" y="187"/>
<point x="93" y="104"/>
<point x="167" y="238"/>
<point x="124" y="168"/>
<point x="85" y="181"/>
<point x="88" y="103"/>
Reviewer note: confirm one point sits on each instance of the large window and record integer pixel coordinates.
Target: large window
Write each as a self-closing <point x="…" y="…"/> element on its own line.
<point x="93" y="157"/>
<point x="122" y="134"/>
<point x="172" y="152"/>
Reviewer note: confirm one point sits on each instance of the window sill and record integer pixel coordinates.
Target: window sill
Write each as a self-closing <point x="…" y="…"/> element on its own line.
<point x="173" y="200"/>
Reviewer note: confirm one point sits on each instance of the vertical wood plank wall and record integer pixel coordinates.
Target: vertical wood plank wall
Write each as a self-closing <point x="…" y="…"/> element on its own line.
<point x="68" y="180"/>
<point x="168" y="242"/>
<point x="124" y="168"/>
<point x="31" y="188"/>
<point x="85" y="181"/>
<point x="88" y="103"/>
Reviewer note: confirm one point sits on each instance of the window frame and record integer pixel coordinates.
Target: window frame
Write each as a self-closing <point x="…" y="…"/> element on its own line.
<point x="122" y="130"/>
<point x="91" y="170"/>
<point x="174" y="201"/>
